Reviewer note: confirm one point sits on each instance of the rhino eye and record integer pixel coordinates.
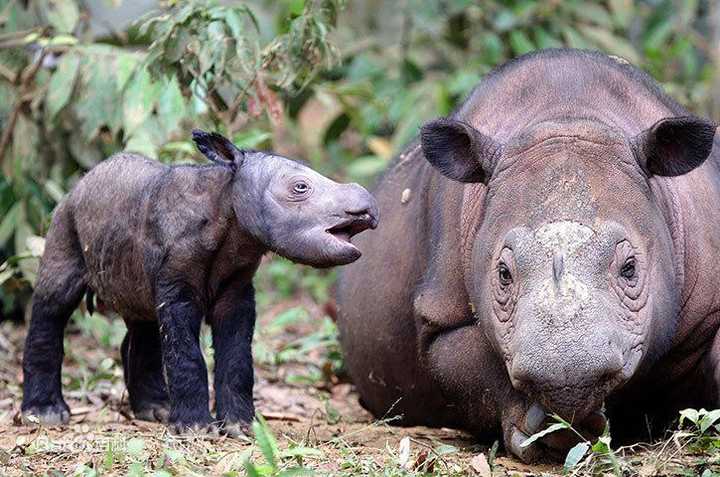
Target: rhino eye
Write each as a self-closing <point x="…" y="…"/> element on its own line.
<point x="504" y="275"/>
<point x="628" y="269"/>
<point x="300" y="189"/>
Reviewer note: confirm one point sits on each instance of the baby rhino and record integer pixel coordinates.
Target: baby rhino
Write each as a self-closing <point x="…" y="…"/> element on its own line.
<point x="168" y="246"/>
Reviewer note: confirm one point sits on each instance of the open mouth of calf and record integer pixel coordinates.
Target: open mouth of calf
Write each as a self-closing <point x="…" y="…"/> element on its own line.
<point x="350" y="227"/>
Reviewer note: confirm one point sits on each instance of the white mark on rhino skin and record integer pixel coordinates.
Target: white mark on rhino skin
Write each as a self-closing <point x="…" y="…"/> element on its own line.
<point x="405" y="196"/>
<point x="564" y="236"/>
<point x="569" y="291"/>
<point x="619" y="59"/>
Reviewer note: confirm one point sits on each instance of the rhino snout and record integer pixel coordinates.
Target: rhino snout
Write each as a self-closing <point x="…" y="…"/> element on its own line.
<point x="360" y="205"/>
<point x="573" y="388"/>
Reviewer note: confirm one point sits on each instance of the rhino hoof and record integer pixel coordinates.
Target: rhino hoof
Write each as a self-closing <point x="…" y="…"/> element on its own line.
<point x="52" y="415"/>
<point x="237" y="430"/>
<point x="199" y="429"/>
<point x="153" y="413"/>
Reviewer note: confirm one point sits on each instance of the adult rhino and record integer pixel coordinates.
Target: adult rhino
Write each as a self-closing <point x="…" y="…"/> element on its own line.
<point x="551" y="247"/>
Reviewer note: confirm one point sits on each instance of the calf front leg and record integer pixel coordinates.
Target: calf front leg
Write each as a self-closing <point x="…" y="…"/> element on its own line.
<point x="179" y="317"/>
<point x="233" y="321"/>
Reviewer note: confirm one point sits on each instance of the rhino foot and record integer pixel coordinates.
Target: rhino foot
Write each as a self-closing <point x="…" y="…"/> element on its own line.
<point x="56" y="414"/>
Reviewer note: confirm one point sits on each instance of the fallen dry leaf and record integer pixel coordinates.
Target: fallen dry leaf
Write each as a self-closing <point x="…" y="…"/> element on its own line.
<point x="480" y="465"/>
<point x="422" y="463"/>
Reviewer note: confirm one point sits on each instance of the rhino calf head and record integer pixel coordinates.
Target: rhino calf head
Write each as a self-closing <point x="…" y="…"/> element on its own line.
<point x="573" y="266"/>
<point x="291" y="209"/>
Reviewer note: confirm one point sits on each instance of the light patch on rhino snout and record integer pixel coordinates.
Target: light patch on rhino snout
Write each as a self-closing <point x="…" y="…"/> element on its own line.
<point x="568" y="291"/>
<point x="563" y="236"/>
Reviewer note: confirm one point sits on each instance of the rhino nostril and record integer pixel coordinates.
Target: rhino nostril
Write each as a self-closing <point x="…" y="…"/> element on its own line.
<point x="359" y="212"/>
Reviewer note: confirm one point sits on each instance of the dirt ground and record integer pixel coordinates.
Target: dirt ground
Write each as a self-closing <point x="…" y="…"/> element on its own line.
<point x="320" y="415"/>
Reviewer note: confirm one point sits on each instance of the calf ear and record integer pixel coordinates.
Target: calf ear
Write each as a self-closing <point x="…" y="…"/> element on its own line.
<point x="674" y="146"/>
<point x="458" y="150"/>
<point x="218" y="148"/>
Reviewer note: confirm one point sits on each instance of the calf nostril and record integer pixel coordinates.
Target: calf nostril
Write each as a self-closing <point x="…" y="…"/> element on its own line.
<point x="358" y="212"/>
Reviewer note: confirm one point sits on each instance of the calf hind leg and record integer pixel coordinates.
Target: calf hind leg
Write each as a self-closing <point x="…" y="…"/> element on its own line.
<point x="142" y="366"/>
<point x="59" y="289"/>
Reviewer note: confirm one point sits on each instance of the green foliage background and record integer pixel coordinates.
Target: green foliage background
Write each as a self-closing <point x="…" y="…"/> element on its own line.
<point x="343" y="84"/>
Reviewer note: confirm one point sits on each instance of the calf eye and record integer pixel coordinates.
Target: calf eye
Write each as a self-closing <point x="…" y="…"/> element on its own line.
<point x="504" y="275"/>
<point x="628" y="269"/>
<point x="301" y="188"/>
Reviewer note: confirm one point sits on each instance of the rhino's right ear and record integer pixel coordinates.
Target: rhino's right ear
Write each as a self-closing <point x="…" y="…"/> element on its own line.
<point x="218" y="148"/>
<point x="674" y="146"/>
<point x="459" y="151"/>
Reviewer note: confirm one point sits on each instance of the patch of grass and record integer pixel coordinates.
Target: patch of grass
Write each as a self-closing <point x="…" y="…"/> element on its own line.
<point x="692" y="449"/>
<point x="279" y="279"/>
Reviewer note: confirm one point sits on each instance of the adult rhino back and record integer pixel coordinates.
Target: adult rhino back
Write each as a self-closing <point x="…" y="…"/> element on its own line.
<point x="546" y="249"/>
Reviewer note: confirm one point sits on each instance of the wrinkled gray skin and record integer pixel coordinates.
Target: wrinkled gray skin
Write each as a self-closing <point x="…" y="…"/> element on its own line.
<point x="554" y="248"/>
<point x="168" y="247"/>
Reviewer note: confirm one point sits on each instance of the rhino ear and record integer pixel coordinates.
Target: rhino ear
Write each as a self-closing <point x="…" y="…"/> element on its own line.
<point x="674" y="146"/>
<point x="458" y="150"/>
<point x="218" y="148"/>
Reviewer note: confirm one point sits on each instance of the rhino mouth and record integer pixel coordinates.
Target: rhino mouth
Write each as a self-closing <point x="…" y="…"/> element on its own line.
<point x="345" y="230"/>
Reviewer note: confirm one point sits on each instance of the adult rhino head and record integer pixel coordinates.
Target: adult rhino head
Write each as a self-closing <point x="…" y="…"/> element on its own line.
<point x="571" y="265"/>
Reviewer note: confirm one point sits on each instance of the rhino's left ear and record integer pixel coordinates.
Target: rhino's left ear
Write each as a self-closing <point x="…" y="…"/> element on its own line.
<point x="458" y="150"/>
<point x="674" y="146"/>
<point x="218" y="148"/>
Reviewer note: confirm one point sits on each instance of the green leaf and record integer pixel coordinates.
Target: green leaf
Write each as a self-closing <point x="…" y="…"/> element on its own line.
<point x="109" y="458"/>
<point x="293" y="471"/>
<point x="99" y="106"/>
<point x="710" y="418"/>
<point x="602" y="446"/>
<point x="575" y="455"/>
<point x="258" y="470"/>
<point x="125" y="65"/>
<point x="141" y="142"/>
<point x="366" y="166"/>
<point x="57" y="40"/>
<point x="28" y="266"/>
<point x="593" y="13"/>
<point x="171" y="106"/>
<point x="6" y="273"/>
<point x="63" y="15"/>
<point x="251" y="138"/>
<point x="622" y="12"/>
<point x="658" y="35"/>
<point x="135" y="446"/>
<point x="9" y="223"/>
<point x="520" y="43"/>
<point x="504" y="21"/>
<point x="301" y="452"/>
<point x="61" y="84"/>
<point x="265" y="440"/>
<point x="611" y="43"/>
<point x="445" y="449"/>
<point x="574" y="39"/>
<point x="539" y="435"/>
<point x="135" y="470"/>
<point x="691" y="415"/>
<point x="139" y="100"/>
<point x="544" y="40"/>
